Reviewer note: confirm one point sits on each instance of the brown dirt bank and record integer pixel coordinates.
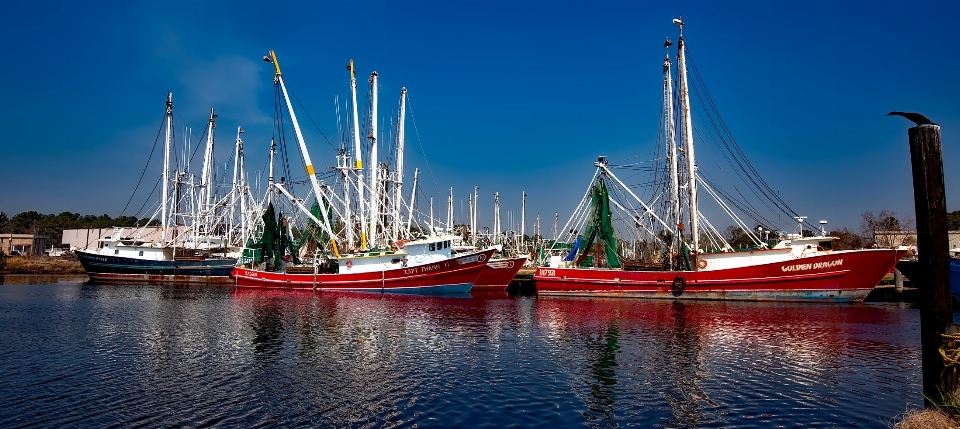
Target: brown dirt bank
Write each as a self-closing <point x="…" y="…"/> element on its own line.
<point x="41" y="265"/>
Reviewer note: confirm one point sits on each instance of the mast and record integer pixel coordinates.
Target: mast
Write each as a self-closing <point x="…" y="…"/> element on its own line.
<point x="374" y="209"/>
<point x="496" y="217"/>
<point x="473" y="232"/>
<point x="688" y="141"/>
<point x="673" y="213"/>
<point x="168" y="142"/>
<point x="476" y="202"/>
<point x="343" y="165"/>
<point x="450" y="210"/>
<point x="413" y="196"/>
<point x="556" y="219"/>
<point x="278" y="78"/>
<point x="273" y="155"/>
<point x="400" y="141"/>
<point x="523" y="218"/>
<point x="244" y="189"/>
<point x="206" y="181"/>
<point x="358" y="163"/>
<point x="237" y="153"/>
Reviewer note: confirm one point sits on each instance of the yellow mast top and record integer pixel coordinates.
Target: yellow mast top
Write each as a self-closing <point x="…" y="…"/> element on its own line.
<point x="273" y="57"/>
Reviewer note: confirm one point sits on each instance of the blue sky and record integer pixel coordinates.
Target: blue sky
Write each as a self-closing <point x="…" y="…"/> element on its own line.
<point x="509" y="96"/>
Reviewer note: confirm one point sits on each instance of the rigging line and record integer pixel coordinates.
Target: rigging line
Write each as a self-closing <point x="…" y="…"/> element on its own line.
<point x="752" y="178"/>
<point x="151" y="194"/>
<point x="755" y="189"/>
<point x="313" y="122"/>
<point x="745" y="208"/>
<point x="197" y="148"/>
<point x="152" y="150"/>
<point x="420" y="143"/>
<point x="737" y="146"/>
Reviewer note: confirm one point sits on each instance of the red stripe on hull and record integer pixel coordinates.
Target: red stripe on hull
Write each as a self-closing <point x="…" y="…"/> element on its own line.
<point x="497" y="275"/>
<point x="463" y="270"/>
<point x="156" y="279"/>
<point x="839" y="276"/>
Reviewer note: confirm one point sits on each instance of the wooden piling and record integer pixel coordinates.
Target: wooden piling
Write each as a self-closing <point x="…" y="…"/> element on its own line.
<point x="936" y="312"/>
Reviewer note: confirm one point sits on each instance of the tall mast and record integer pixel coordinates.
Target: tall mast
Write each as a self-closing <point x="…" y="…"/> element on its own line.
<point x="556" y="219"/>
<point x="206" y="175"/>
<point x="374" y="209"/>
<point x="673" y="213"/>
<point x="413" y="198"/>
<point x="523" y="218"/>
<point x="450" y="210"/>
<point x="244" y="189"/>
<point x="400" y="141"/>
<point x="688" y="140"/>
<point x="476" y="202"/>
<point x="278" y="78"/>
<point x="235" y="189"/>
<point x="343" y="161"/>
<point x="536" y="231"/>
<point x="473" y="232"/>
<point x="273" y="155"/>
<point x="358" y="163"/>
<point x="168" y="142"/>
<point x="496" y="217"/>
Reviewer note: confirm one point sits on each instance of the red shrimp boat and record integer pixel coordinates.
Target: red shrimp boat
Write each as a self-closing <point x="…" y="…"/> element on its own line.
<point x="840" y="276"/>
<point x="666" y="254"/>
<point x="454" y="275"/>
<point x="498" y="274"/>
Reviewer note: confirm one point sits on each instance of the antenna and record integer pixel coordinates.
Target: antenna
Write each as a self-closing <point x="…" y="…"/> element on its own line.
<point x="800" y="224"/>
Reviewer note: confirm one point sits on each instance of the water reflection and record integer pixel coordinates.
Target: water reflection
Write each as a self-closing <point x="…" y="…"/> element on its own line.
<point x="202" y="356"/>
<point x="681" y="363"/>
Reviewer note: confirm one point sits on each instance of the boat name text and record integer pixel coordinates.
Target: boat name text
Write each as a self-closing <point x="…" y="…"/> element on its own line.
<point x="422" y="269"/>
<point x="813" y="266"/>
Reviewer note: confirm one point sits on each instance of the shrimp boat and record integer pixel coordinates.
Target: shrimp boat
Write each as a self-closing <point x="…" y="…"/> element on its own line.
<point x="498" y="273"/>
<point x="695" y="264"/>
<point x="278" y="260"/>
<point x="182" y="253"/>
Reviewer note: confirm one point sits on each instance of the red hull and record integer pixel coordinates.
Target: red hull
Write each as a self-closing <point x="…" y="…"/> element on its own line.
<point x="838" y="277"/>
<point x="497" y="275"/>
<point x="449" y="276"/>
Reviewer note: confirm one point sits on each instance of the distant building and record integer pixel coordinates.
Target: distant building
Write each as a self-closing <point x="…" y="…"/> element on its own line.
<point x="24" y="244"/>
<point x="87" y="238"/>
<point x="909" y="238"/>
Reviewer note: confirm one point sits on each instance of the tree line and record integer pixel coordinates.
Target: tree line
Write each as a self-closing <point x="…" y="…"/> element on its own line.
<point x="52" y="225"/>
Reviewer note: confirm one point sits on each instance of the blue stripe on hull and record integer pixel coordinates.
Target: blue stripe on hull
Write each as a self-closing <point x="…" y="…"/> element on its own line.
<point x="454" y="288"/>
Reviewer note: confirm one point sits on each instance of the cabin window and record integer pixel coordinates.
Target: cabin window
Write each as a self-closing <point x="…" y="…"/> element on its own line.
<point x="116" y="251"/>
<point x="433" y="247"/>
<point x="395" y="261"/>
<point x="446" y="244"/>
<point x="141" y="253"/>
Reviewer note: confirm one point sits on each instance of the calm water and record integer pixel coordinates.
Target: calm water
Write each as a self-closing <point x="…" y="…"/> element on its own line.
<point x="81" y="355"/>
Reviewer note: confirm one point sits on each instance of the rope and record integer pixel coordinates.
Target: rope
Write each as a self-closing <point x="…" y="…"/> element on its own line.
<point x="950" y="351"/>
